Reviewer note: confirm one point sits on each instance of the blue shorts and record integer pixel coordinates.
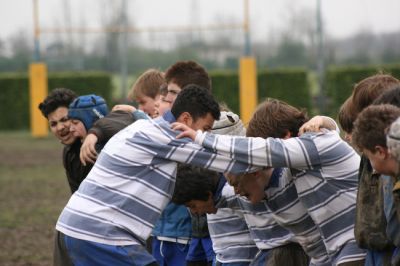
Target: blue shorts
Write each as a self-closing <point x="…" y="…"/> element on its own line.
<point x="87" y="253"/>
<point x="169" y="253"/>
<point x="200" y="249"/>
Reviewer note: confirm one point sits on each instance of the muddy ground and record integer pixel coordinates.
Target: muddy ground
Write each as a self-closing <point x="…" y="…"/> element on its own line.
<point x="33" y="191"/>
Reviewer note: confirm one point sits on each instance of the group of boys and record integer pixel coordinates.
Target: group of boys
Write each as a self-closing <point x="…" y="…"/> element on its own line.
<point x="288" y="191"/>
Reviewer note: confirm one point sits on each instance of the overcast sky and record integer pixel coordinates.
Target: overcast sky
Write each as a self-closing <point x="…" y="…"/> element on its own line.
<point x="342" y="17"/>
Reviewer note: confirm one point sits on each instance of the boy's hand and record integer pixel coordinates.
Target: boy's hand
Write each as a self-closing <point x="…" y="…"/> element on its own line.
<point x="313" y="125"/>
<point x="186" y="131"/>
<point x="316" y="123"/>
<point x="88" y="152"/>
<point x="124" y="107"/>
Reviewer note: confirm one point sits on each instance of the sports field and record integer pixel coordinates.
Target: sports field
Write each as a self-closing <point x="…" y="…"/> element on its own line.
<point x="33" y="191"/>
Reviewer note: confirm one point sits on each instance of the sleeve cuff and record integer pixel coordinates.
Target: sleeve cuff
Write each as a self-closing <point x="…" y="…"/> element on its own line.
<point x="200" y="135"/>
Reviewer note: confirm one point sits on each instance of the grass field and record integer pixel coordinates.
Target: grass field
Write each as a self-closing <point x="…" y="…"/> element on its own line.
<point x="33" y="191"/>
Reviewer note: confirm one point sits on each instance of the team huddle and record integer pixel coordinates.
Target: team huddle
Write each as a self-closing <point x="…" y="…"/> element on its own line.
<point x="182" y="181"/>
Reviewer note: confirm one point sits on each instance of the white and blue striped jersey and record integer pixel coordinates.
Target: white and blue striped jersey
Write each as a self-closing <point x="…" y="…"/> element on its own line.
<point x="264" y="230"/>
<point x="230" y="236"/>
<point x="132" y="181"/>
<point x="324" y="169"/>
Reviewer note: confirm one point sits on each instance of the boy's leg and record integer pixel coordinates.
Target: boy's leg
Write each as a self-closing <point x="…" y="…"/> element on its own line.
<point x="200" y="252"/>
<point x="208" y="248"/>
<point x="87" y="253"/>
<point x="169" y="253"/>
<point x="60" y="255"/>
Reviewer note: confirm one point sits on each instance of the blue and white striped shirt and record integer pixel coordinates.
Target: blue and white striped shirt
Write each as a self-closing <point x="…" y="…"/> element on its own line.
<point x="131" y="183"/>
<point x="231" y="237"/>
<point x="264" y="230"/>
<point x="288" y="211"/>
<point x="324" y="170"/>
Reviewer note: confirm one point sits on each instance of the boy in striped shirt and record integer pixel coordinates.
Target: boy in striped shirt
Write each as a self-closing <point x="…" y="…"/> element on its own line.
<point x="323" y="169"/>
<point x="107" y="221"/>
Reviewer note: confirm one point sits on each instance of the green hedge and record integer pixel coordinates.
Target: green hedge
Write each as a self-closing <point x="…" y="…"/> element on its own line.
<point x="290" y="85"/>
<point x="341" y="80"/>
<point x="14" y="94"/>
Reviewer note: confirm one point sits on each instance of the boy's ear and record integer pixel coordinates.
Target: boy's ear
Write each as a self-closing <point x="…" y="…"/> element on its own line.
<point x="383" y="152"/>
<point x="185" y="118"/>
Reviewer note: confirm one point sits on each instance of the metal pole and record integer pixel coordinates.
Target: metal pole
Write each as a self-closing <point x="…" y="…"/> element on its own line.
<point x="320" y="60"/>
<point x="246" y="29"/>
<point x="124" y="52"/>
<point x="247" y="73"/>
<point x="36" y="33"/>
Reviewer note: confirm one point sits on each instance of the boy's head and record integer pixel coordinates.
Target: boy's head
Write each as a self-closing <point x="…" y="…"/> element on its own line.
<point x="195" y="188"/>
<point x="277" y="119"/>
<point x="84" y="111"/>
<point x="55" y="108"/>
<point x="368" y="89"/>
<point x="364" y="94"/>
<point x="145" y="91"/>
<point x="345" y="118"/>
<point x="369" y="136"/>
<point x="196" y="108"/>
<point x="183" y="73"/>
<point x="251" y="185"/>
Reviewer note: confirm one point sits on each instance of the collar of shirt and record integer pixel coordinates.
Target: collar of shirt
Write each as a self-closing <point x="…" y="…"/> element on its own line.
<point x="169" y="117"/>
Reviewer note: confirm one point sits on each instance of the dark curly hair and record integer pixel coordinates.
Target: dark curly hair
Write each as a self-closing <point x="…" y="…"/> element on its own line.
<point x="60" y="97"/>
<point x="194" y="183"/>
<point x="197" y="101"/>
<point x="371" y="124"/>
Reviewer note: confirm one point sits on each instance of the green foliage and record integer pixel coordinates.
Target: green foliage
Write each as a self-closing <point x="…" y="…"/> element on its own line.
<point x="225" y="88"/>
<point x="14" y="95"/>
<point x="14" y="101"/>
<point x="289" y="85"/>
<point x="341" y="80"/>
<point x="83" y="83"/>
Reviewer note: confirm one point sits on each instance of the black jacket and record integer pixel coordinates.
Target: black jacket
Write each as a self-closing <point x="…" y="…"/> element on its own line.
<point x="74" y="169"/>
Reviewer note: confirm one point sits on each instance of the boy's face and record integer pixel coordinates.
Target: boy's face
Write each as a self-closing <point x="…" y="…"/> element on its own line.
<point x="147" y="104"/>
<point x="203" y="123"/>
<point x="382" y="161"/>
<point x="200" y="207"/>
<point x="60" y="124"/>
<point x="162" y="105"/>
<point x="251" y="185"/>
<point x="173" y="91"/>
<point x="78" y="129"/>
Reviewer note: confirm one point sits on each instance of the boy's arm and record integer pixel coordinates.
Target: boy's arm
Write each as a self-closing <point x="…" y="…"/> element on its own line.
<point x="185" y="151"/>
<point x="109" y="125"/>
<point x="300" y="153"/>
<point x="103" y="129"/>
